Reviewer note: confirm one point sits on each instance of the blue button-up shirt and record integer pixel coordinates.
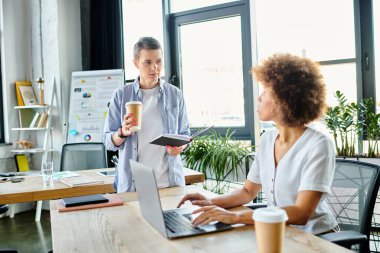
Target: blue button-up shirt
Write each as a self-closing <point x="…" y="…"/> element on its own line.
<point x="175" y="121"/>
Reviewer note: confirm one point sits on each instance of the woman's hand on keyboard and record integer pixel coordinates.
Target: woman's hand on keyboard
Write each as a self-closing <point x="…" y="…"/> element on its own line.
<point x="214" y="213"/>
<point x="195" y="199"/>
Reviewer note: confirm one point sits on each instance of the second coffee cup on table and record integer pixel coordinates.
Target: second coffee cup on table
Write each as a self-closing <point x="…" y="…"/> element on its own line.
<point x="270" y="229"/>
<point x="135" y="107"/>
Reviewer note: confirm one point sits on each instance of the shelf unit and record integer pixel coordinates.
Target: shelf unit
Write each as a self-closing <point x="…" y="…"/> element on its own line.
<point x="37" y="108"/>
<point x="37" y="150"/>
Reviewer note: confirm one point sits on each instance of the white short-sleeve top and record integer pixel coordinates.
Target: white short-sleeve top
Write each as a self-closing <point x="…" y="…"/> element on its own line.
<point x="152" y="126"/>
<point x="308" y="165"/>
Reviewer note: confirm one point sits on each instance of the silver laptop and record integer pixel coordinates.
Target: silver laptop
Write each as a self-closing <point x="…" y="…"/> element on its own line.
<point x="172" y="223"/>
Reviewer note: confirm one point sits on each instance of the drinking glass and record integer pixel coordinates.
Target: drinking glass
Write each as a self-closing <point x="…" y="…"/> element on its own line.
<point x="47" y="173"/>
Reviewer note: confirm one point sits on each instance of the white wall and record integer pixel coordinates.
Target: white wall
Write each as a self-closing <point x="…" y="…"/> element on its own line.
<point x="16" y="57"/>
<point x="39" y="38"/>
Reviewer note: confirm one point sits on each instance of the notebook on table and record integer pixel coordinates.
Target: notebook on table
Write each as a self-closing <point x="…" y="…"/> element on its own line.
<point x="113" y="200"/>
<point x="84" y="200"/>
<point x="171" y="223"/>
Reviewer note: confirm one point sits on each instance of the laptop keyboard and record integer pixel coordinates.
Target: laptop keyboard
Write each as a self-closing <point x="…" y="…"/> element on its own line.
<point x="176" y="222"/>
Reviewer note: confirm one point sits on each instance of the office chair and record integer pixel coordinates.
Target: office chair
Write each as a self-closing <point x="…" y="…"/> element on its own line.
<point x="354" y="191"/>
<point x="3" y="209"/>
<point x="83" y="156"/>
<point x="80" y="156"/>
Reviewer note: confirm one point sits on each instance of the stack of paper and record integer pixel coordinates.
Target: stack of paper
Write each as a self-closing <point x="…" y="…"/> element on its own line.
<point x="82" y="180"/>
<point x="64" y="174"/>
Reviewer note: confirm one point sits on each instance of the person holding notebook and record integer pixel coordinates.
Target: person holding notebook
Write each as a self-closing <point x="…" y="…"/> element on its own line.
<point x="294" y="164"/>
<point x="163" y="112"/>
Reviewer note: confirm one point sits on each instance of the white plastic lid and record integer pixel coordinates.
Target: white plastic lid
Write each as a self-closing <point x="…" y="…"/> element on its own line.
<point x="133" y="103"/>
<point x="270" y="215"/>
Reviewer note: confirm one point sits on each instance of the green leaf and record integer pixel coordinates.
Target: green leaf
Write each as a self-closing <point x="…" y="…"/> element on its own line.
<point x="217" y="155"/>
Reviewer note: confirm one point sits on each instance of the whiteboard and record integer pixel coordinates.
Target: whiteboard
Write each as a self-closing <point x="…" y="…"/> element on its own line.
<point x="90" y="94"/>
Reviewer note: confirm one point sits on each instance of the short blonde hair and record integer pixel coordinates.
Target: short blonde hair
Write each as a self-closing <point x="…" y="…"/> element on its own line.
<point x="148" y="43"/>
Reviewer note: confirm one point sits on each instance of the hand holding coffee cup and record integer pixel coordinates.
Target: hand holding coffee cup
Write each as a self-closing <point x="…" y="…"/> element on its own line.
<point x="129" y="122"/>
<point x="132" y="120"/>
<point x="270" y="228"/>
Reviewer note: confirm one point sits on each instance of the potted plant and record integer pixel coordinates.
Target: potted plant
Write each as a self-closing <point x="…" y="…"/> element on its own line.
<point x="218" y="157"/>
<point x="342" y="121"/>
<point x="371" y="127"/>
<point x="348" y="122"/>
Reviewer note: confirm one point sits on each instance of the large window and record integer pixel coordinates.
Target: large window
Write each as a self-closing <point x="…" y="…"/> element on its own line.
<point x="140" y="19"/>
<point x="208" y="50"/>
<point x="312" y="29"/>
<point x="213" y="70"/>
<point x="337" y="34"/>
<point x="211" y="61"/>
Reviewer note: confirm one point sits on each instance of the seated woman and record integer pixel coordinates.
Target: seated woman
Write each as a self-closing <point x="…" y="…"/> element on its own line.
<point x="294" y="164"/>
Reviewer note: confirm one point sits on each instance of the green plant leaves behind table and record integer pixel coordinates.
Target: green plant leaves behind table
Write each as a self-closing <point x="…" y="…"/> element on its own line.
<point x="370" y="125"/>
<point x="348" y="121"/>
<point x="342" y="121"/>
<point x="217" y="157"/>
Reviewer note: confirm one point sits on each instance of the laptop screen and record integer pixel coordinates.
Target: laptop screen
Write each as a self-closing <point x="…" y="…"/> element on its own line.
<point x="147" y="192"/>
<point x="150" y="205"/>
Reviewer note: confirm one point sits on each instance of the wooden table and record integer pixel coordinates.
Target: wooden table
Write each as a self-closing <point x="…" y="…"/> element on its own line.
<point x="32" y="189"/>
<point x="123" y="229"/>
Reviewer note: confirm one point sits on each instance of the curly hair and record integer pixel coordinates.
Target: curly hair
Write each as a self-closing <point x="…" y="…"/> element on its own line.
<point x="297" y="86"/>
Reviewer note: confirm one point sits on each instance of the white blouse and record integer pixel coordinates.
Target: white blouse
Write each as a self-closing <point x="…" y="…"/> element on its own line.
<point x="308" y="165"/>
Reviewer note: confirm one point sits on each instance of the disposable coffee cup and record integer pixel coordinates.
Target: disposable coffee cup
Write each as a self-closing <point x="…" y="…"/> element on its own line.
<point x="135" y="107"/>
<point x="270" y="228"/>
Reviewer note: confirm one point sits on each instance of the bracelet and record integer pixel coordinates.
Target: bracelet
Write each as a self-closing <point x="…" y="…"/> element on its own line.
<point x="120" y="134"/>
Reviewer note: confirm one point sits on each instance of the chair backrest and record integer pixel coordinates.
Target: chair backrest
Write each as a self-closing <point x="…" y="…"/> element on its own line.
<point x="3" y="209"/>
<point x="354" y="192"/>
<point x="83" y="156"/>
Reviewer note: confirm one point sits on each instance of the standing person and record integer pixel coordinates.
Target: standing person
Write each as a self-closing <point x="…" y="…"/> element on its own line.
<point x="295" y="164"/>
<point x="164" y="112"/>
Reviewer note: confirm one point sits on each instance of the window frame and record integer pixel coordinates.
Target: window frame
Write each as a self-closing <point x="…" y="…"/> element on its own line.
<point x="365" y="48"/>
<point x="2" y="132"/>
<point x="172" y="21"/>
<point x="365" y="55"/>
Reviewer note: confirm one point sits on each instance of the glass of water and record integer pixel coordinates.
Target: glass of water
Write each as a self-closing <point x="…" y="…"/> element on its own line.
<point x="47" y="173"/>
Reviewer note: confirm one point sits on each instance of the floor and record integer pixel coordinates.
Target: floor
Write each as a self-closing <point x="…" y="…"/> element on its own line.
<point x="24" y="234"/>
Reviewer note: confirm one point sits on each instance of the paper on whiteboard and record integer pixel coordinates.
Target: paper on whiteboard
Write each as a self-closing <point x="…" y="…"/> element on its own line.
<point x="91" y="92"/>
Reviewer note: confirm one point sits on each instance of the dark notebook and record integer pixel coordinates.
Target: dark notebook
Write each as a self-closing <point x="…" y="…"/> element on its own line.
<point x="84" y="200"/>
<point x="176" y="139"/>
